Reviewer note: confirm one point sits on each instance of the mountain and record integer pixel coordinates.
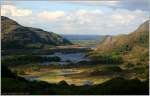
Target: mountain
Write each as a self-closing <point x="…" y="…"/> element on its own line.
<point x="131" y="51"/>
<point x="132" y="46"/>
<point x="124" y="43"/>
<point x="82" y="37"/>
<point x="14" y="35"/>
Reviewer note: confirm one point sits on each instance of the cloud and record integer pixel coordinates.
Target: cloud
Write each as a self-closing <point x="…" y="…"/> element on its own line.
<point x="51" y="15"/>
<point x="11" y="10"/>
<point x="135" y="4"/>
<point x="99" y="3"/>
<point x="109" y="3"/>
<point x="7" y="2"/>
<point x="97" y="22"/>
<point x="124" y="4"/>
<point x="80" y="21"/>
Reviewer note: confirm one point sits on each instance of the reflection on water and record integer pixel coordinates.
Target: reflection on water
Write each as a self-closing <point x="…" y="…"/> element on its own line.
<point x="65" y="57"/>
<point x="54" y="63"/>
<point x="75" y="57"/>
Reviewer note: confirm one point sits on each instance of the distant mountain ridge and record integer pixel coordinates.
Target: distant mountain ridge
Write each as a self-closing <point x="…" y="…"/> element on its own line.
<point x="82" y="37"/>
<point x="14" y="35"/>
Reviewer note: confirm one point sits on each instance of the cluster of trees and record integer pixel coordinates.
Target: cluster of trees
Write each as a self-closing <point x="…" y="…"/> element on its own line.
<point x="12" y="84"/>
<point x="22" y="44"/>
<point x="124" y="48"/>
<point x="110" y="58"/>
<point x="107" y="71"/>
<point x="25" y="59"/>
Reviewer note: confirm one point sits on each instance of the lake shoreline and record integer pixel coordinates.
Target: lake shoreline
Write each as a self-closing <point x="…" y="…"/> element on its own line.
<point x="48" y="51"/>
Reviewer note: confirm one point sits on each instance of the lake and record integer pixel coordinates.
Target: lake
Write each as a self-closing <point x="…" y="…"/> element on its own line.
<point x="77" y="76"/>
<point x="66" y="58"/>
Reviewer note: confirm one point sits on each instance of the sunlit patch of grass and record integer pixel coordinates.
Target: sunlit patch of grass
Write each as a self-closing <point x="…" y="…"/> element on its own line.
<point x="56" y="74"/>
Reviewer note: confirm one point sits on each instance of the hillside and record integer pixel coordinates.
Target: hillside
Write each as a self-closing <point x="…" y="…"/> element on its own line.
<point x="115" y="86"/>
<point x="14" y="36"/>
<point x="131" y="51"/>
<point x="126" y="42"/>
<point x="132" y="46"/>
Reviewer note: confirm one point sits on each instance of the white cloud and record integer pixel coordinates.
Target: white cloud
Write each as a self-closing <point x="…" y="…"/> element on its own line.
<point x="11" y="10"/>
<point x="88" y="22"/>
<point x="51" y="15"/>
<point x="80" y="21"/>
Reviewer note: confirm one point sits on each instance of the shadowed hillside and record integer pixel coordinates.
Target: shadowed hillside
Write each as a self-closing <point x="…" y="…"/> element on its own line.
<point x="12" y="84"/>
<point x="14" y="35"/>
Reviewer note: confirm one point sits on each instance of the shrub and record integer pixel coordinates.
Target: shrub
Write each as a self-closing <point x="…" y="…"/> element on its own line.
<point x="25" y="59"/>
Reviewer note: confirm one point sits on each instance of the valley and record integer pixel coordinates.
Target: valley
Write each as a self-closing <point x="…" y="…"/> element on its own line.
<point x="33" y="55"/>
<point x="68" y="68"/>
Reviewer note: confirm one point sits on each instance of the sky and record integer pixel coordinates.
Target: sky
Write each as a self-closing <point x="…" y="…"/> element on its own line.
<point x="79" y="17"/>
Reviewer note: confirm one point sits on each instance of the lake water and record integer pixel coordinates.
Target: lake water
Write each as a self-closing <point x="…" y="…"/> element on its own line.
<point x="76" y="75"/>
<point x="72" y="57"/>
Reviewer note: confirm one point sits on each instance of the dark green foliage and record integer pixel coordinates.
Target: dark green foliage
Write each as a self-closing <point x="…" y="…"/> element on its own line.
<point x="129" y="65"/>
<point x="35" y="67"/>
<point x="82" y="63"/>
<point x="12" y="44"/>
<point x="121" y="86"/>
<point x="107" y="71"/>
<point x="114" y="69"/>
<point x="134" y="45"/>
<point x="106" y="58"/>
<point x="5" y="72"/>
<point x="63" y="83"/>
<point x="14" y="86"/>
<point x="124" y="48"/>
<point x="116" y="86"/>
<point x="25" y="59"/>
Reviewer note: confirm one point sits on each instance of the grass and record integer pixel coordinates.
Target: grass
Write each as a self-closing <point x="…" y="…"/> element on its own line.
<point x="95" y="73"/>
<point x="54" y="74"/>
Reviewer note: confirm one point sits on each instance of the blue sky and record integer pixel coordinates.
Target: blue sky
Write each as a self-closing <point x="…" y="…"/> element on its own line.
<point x="79" y="17"/>
<point x="38" y="6"/>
